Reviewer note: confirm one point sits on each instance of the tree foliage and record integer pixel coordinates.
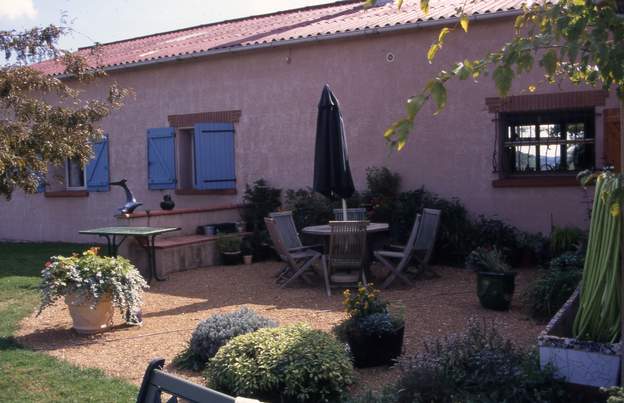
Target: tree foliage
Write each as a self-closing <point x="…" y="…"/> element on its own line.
<point x="43" y="118"/>
<point x="577" y="40"/>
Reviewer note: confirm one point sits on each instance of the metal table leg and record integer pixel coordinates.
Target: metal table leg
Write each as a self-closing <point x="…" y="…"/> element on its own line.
<point x="149" y="244"/>
<point x="112" y="246"/>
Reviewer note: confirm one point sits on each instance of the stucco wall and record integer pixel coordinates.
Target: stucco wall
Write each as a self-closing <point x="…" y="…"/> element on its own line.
<point x="277" y="91"/>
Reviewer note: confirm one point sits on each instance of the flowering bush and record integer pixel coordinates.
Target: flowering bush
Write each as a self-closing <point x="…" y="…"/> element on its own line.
<point x="90" y="277"/>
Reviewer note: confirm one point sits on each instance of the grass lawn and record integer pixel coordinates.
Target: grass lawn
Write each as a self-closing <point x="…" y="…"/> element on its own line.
<point x="28" y="376"/>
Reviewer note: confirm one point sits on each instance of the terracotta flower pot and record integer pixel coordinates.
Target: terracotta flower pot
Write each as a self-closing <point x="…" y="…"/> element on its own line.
<point x="247" y="259"/>
<point x="87" y="319"/>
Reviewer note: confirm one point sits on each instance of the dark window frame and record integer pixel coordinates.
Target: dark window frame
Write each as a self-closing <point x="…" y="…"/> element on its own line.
<point x="535" y="118"/>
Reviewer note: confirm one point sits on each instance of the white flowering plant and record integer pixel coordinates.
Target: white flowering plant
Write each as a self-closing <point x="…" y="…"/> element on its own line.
<point x="89" y="277"/>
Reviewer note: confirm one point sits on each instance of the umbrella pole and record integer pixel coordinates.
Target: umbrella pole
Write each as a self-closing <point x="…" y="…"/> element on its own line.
<point x="344" y="210"/>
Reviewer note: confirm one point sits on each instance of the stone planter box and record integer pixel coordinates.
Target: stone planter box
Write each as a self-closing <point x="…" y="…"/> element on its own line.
<point x="580" y="362"/>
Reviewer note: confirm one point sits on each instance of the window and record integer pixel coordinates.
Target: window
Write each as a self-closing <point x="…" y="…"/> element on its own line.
<point x="74" y="174"/>
<point x="541" y="143"/>
<point x="193" y="159"/>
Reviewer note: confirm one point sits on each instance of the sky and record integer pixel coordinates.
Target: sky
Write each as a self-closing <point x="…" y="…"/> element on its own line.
<point x="110" y="20"/>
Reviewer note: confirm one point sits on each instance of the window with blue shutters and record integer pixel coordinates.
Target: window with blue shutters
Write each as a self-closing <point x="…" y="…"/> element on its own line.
<point x="213" y="150"/>
<point x="161" y="166"/>
<point x="97" y="170"/>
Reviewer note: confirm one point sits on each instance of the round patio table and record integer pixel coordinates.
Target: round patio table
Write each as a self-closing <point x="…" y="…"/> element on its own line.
<point x="324" y="230"/>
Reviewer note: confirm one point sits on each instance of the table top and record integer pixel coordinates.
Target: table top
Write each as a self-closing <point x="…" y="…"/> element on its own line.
<point x="325" y="230"/>
<point x="128" y="231"/>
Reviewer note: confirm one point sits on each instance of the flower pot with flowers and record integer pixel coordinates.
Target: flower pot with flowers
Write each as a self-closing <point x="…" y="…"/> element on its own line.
<point x="374" y="335"/>
<point x="92" y="285"/>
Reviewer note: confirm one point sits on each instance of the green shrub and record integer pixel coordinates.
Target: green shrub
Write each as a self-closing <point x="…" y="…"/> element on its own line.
<point x="296" y="362"/>
<point x="494" y="233"/>
<point x="309" y="208"/>
<point x="487" y="260"/>
<point x="475" y="366"/>
<point x="553" y="286"/>
<point x="566" y="239"/>
<point x="259" y="200"/>
<point x="228" y="243"/>
<point x="616" y="394"/>
<point x="381" y="193"/>
<point x="212" y="333"/>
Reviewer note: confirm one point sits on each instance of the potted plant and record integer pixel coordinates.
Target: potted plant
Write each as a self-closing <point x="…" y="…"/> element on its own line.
<point x="495" y="280"/>
<point x="247" y="251"/>
<point x="229" y="246"/>
<point x="92" y="285"/>
<point x="374" y="335"/>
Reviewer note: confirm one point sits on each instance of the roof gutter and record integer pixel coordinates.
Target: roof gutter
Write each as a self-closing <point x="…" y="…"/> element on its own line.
<point x="308" y="40"/>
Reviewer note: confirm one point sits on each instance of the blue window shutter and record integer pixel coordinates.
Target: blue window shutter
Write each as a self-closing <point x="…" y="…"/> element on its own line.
<point x="97" y="169"/>
<point x="161" y="169"/>
<point x="214" y="156"/>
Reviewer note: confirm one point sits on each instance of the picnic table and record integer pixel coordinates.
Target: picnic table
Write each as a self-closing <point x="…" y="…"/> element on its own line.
<point x="145" y="237"/>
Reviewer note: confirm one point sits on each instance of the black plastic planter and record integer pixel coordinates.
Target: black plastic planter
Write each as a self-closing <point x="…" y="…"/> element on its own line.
<point x="231" y="258"/>
<point x="375" y="350"/>
<point x="495" y="290"/>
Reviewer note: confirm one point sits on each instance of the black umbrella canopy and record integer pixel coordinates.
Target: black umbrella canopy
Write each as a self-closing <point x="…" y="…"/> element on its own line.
<point x="332" y="175"/>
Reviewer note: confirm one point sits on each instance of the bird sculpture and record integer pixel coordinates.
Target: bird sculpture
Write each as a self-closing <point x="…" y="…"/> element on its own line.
<point x="131" y="203"/>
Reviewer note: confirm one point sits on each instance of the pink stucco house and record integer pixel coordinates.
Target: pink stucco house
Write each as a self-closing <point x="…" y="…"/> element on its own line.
<point x="221" y="105"/>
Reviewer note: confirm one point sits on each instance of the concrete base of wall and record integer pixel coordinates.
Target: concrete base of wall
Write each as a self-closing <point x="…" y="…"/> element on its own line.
<point x="173" y="259"/>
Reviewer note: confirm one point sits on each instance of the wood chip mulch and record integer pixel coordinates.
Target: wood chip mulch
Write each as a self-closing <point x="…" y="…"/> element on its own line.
<point x="433" y="307"/>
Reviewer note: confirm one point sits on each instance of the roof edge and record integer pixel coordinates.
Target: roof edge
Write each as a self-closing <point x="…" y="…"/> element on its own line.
<point x="311" y="39"/>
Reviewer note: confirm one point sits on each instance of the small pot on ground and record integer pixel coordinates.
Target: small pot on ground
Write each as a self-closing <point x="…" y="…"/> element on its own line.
<point x="231" y="258"/>
<point x="495" y="281"/>
<point x="247" y="259"/>
<point x="90" y="316"/>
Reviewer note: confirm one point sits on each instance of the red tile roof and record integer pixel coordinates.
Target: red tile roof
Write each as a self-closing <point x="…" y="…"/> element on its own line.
<point x="316" y="22"/>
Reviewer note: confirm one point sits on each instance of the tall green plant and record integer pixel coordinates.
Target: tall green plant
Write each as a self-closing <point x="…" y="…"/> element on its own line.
<point x="598" y="317"/>
<point x="259" y="200"/>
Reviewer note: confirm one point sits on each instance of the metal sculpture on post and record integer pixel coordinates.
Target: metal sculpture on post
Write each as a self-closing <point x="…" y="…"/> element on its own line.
<point x="131" y="203"/>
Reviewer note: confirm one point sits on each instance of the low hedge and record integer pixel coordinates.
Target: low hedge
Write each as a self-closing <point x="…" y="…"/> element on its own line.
<point x="294" y="363"/>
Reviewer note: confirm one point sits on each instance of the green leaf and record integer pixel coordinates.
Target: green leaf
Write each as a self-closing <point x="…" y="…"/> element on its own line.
<point x="464" y="21"/>
<point x="443" y="32"/>
<point x="399" y="4"/>
<point x="519" y="22"/>
<point x="424" y="6"/>
<point x="438" y="92"/>
<point x="415" y="104"/>
<point x="433" y="50"/>
<point x="503" y="76"/>
<point x="369" y="3"/>
<point x="549" y="62"/>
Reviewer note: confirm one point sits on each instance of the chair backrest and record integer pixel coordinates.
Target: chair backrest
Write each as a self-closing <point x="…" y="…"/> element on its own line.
<point x="156" y="382"/>
<point x="353" y="214"/>
<point x="347" y="243"/>
<point x="425" y="240"/>
<point x="276" y="237"/>
<point x="286" y="227"/>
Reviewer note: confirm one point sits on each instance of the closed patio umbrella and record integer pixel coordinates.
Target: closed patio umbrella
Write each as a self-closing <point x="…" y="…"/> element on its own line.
<point x="332" y="175"/>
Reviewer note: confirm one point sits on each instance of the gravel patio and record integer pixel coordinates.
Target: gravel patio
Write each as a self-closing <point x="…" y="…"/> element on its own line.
<point x="433" y="307"/>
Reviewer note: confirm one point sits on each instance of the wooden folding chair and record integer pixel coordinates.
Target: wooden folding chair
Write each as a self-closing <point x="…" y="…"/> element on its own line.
<point x="297" y="261"/>
<point x="421" y="241"/>
<point x="347" y="251"/>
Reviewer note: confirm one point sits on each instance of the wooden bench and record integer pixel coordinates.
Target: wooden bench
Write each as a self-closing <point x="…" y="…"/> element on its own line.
<point x="156" y="382"/>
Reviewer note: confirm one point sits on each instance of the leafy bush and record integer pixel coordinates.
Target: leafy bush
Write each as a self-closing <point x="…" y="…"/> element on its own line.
<point x="212" y="333"/>
<point x="475" y="366"/>
<point x="296" y="362"/>
<point x="309" y="208"/>
<point x="565" y="239"/>
<point x="553" y="286"/>
<point x="259" y="200"/>
<point x="228" y="243"/>
<point x="616" y="394"/>
<point x="382" y="192"/>
<point x="494" y="233"/>
<point x="487" y="260"/>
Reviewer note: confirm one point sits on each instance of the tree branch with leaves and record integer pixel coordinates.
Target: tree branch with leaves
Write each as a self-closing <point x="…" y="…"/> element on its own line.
<point x="43" y="119"/>
<point x="575" y="40"/>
